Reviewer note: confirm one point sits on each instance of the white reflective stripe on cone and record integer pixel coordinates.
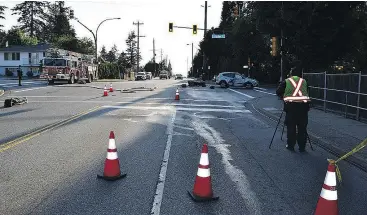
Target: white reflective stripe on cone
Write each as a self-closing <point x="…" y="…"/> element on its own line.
<point x="330" y="179"/>
<point x="204" y="159"/>
<point x="111" y="155"/>
<point x="204" y="173"/>
<point x="330" y="195"/>
<point x="112" y="144"/>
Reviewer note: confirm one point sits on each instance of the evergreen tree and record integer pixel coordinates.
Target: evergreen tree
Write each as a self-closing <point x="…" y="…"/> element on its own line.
<point x="111" y="55"/>
<point x="103" y="54"/>
<point x="131" y="49"/>
<point x="2" y="9"/>
<point x="58" y="22"/>
<point x="123" y="60"/>
<point x="31" y="16"/>
<point x="86" y="46"/>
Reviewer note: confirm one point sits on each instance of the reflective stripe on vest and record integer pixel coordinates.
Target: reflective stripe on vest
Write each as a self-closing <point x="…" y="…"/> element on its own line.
<point x="296" y="91"/>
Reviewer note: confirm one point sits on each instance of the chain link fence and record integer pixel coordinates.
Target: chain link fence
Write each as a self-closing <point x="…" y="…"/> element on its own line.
<point x="344" y="94"/>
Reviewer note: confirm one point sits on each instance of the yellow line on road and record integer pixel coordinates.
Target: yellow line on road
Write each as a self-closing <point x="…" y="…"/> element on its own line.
<point x="31" y="135"/>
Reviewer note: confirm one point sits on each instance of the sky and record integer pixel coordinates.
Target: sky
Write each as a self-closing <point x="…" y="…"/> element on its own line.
<point x="154" y="14"/>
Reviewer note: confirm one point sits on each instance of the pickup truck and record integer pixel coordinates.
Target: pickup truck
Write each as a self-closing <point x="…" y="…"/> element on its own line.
<point x="163" y="75"/>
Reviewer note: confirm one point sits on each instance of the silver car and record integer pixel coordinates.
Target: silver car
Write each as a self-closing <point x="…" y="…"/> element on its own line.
<point x="235" y="79"/>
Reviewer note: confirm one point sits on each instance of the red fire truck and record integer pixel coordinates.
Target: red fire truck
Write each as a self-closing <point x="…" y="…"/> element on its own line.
<point x="70" y="68"/>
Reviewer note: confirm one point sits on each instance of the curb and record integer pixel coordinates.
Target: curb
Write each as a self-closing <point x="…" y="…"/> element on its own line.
<point x="327" y="146"/>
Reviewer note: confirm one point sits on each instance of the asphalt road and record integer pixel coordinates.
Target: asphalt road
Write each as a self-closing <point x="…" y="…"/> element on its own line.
<point x="159" y="140"/>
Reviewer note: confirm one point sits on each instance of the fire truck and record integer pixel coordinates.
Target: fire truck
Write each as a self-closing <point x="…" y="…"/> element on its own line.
<point x="69" y="68"/>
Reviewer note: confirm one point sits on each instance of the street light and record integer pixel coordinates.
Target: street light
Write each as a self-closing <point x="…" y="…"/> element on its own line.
<point x="192" y="57"/>
<point x="95" y="36"/>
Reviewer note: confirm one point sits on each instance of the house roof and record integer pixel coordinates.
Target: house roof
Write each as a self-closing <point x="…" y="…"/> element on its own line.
<point x="33" y="48"/>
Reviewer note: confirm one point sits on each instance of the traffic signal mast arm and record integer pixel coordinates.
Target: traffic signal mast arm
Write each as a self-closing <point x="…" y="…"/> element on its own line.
<point x="188" y="27"/>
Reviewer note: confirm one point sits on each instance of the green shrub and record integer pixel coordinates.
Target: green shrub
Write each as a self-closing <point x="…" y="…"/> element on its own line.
<point x="8" y="72"/>
<point x="30" y="74"/>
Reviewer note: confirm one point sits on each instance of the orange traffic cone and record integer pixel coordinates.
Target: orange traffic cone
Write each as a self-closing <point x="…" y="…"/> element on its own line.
<point x="112" y="164"/>
<point x="328" y="200"/>
<point x="203" y="185"/>
<point x="177" y="97"/>
<point x="111" y="89"/>
<point x="105" y="93"/>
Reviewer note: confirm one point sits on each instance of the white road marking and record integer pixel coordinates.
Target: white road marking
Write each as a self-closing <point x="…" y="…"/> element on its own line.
<point x="185" y="128"/>
<point x="28" y="89"/>
<point x="178" y="109"/>
<point x="260" y="88"/>
<point x="271" y="109"/>
<point x="265" y="92"/>
<point x="251" y="97"/>
<point x="238" y="177"/>
<point x="194" y="105"/>
<point x="156" y="208"/>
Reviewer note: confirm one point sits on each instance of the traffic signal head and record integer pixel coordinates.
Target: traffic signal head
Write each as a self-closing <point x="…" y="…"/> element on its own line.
<point x="273" y="46"/>
<point x="71" y="14"/>
<point x="170" y="27"/>
<point x="194" y="29"/>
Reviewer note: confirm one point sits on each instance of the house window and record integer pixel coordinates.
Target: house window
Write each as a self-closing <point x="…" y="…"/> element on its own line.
<point x="12" y="56"/>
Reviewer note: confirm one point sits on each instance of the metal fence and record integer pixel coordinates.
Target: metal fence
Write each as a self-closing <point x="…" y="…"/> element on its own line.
<point x="340" y="93"/>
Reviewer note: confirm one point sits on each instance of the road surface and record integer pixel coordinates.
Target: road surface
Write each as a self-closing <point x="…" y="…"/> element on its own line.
<point x="53" y="148"/>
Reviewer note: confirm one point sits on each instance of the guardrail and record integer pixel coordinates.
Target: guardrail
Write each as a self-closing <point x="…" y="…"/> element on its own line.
<point x="350" y="101"/>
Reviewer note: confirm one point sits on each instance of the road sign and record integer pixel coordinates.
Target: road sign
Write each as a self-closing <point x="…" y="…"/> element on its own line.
<point x="218" y="36"/>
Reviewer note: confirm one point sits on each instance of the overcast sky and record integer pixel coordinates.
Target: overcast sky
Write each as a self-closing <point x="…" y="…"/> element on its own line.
<point x="154" y="14"/>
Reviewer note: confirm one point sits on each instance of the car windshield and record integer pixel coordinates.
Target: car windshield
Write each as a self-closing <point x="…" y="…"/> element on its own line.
<point x="54" y="62"/>
<point x="141" y="73"/>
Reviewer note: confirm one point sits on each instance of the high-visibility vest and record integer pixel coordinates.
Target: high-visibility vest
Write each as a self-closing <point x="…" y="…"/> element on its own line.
<point x="296" y="90"/>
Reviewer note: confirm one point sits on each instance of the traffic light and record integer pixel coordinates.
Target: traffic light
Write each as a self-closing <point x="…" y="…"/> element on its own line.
<point x="71" y="14"/>
<point x="194" y="29"/>
<point x="170" y="27"/>
<point x="273" y="46"/>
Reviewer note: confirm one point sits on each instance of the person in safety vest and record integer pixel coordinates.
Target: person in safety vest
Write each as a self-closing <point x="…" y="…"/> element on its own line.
<point x="294" y="93"/>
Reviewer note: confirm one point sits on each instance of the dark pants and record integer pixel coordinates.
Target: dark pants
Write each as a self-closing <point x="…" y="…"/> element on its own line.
<point x="296" y="120"/>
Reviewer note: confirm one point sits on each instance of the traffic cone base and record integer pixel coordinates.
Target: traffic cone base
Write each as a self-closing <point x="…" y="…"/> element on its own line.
<point x="113" y="178"/>
<point x="202" y="199"/>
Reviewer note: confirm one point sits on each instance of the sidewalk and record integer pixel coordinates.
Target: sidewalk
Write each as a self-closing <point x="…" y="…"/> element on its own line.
<point x="332" y="132"/>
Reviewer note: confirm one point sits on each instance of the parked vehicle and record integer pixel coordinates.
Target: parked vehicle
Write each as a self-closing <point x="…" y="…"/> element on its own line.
<point x="141" y="76"/>
<point x="178" y="76"/>
<point x="235" y="79"/>
<point x="70" y="68"/>
<point x="149" y="75"/>
<point x="163" y="75"/>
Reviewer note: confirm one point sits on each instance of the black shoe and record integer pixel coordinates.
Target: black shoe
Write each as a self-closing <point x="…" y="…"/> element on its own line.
<point x="290" y="148"/>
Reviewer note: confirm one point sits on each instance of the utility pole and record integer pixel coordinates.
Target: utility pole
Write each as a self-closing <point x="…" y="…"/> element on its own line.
<point x="155" y="69"/>
<point x="281" y="45"/>
<point x="205" y="23"/>
<point x="138" y="52"/>
<point x="192" y="58"/>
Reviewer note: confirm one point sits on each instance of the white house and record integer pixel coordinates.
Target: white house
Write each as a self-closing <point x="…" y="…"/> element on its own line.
<point x="27" y="57"/>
